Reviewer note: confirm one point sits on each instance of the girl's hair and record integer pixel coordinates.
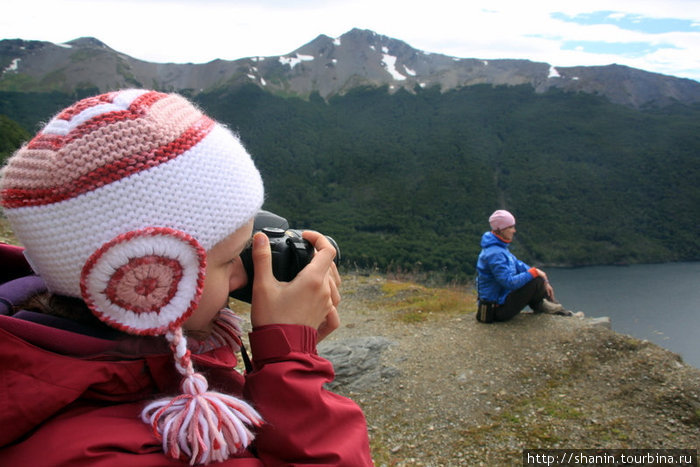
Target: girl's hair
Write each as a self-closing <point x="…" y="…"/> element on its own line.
<point x="62" y="306"/>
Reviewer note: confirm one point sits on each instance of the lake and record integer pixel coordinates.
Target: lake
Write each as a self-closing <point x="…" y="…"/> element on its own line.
<point x="656" y="302"/>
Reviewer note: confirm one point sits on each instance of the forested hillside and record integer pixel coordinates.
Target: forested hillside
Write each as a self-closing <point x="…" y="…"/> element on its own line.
<point x="11" y="136"/>
<point x="407" y="181"/>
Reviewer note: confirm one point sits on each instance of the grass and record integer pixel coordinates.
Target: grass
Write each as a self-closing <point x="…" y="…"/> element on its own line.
<point x="6" y="235"/>
<point x="414" y="303"/>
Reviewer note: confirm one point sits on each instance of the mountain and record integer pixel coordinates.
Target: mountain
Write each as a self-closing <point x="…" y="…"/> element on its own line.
<point x="325" y="66"/>
<point x="402" y="155"/>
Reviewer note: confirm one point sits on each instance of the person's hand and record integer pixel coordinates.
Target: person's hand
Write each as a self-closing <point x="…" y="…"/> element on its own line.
<point x="550" y="291"/>
<point x="311" y="299"/>
<point x="542" y="274"/>
<point x="547" y="286"/>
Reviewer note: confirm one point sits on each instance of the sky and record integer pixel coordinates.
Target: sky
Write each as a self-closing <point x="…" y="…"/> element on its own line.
<point x="661" y="36"/>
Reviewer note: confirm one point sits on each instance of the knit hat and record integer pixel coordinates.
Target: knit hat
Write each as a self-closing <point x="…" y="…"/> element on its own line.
<point x="116" y="200"/>
<point x="501" y="219"/>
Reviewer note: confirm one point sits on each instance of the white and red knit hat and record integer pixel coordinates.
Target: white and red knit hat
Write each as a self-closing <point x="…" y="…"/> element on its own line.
<point x="116" y="200"/>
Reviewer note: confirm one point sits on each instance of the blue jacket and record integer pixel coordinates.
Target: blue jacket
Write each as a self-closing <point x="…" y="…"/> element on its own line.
<point x="499" y="272"/>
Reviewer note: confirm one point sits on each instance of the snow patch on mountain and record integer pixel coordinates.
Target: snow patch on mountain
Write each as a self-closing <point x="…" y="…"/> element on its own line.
<point x="295" y="60"/>
<point x="389" y="63"/>
<point x="13" y="66"/>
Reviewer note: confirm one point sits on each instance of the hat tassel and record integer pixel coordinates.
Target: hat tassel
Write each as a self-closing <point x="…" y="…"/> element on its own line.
<point x="199" y="425"/>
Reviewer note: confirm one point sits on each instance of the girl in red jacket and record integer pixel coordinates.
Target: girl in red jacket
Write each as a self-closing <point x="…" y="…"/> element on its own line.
<point x="133" y="208"/>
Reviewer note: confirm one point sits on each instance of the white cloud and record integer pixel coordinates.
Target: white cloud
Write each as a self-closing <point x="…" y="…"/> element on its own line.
<point x="200" y="31"/>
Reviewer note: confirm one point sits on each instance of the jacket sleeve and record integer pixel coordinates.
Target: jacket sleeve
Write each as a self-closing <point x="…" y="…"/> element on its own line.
<point x="304" y="423"/>
<point x="509" y="277"/>
<point x="520" y="267"/>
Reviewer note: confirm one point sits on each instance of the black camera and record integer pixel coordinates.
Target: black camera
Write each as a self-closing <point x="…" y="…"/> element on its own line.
<point x="290" y="252"/>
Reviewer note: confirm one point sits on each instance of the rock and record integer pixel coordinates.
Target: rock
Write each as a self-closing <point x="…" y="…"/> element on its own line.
<point x="603" y="321"/>
<point x="357" y="361"/>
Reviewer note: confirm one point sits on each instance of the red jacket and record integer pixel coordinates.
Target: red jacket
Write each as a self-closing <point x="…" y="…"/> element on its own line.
<point x="68" y="398"/>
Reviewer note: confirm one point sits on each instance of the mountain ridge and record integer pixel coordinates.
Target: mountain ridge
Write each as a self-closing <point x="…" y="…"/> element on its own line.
<point x="326" y="66"/>
<point x="403" y="176"/>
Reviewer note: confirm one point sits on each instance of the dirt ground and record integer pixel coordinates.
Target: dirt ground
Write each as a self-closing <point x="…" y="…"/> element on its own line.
<point x="465" y="393"/>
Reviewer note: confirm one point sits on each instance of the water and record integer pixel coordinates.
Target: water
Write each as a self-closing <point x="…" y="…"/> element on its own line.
<point x="656" y="302"/>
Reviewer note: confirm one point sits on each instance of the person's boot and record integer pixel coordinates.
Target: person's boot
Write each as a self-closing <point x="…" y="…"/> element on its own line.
<point x="546" y="306"/>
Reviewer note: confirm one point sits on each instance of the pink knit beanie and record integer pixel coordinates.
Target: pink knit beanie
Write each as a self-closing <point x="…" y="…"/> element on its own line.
<point x="117" y="200"/>
<point x="501" y="219"/>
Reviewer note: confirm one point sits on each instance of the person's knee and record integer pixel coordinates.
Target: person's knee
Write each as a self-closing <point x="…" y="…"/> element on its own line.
<point x="539" y="281"/>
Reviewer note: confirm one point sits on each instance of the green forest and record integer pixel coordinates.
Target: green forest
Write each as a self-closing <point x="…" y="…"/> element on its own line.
<point x="406" y="181"/>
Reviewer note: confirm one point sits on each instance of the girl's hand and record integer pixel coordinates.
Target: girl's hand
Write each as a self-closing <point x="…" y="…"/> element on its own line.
<point x="311" y="299"/>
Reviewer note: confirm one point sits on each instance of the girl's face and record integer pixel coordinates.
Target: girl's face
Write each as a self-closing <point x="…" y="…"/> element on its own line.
<point x="224" y="273"/>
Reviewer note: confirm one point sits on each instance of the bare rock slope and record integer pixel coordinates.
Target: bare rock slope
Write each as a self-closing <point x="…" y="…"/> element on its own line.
<point x="327" y="66"/>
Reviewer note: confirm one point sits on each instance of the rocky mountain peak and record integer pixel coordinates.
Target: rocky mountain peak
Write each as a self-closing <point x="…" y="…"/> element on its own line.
<point x="327" y="66"/>
<point x="87" y="42"/>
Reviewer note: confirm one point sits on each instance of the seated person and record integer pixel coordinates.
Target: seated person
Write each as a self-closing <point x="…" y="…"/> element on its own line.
<point x="504" y="282"/>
